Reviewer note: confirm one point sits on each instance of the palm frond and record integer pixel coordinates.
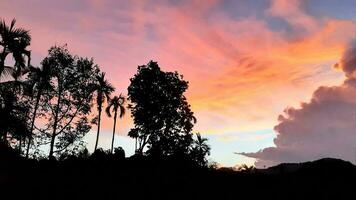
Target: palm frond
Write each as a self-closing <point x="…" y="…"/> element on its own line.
<point x="21" y="34"/>
<point x="108" y="111"/>
<point x="13" y="22"/>
<point x="121" y="103"/>
<point x="199" y="138"/>
<point x="103" y="88"/>
<point x="108" y="108"/>
<point x="3" y="26"/>
<point x="6" y="72"/>
<point x="122" y="111"/>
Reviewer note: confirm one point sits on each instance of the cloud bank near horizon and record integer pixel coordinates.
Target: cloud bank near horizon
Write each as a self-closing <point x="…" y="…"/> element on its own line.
<point x="324" y="127"/>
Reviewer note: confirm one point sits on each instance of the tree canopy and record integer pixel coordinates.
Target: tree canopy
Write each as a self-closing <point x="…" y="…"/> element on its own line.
<point x="65" y="107"/>
<point x="14" y="41"/>
<point x="162" y="115"/>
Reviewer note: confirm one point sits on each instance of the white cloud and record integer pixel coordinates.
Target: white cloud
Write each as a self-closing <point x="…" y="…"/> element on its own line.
<point x="324" y="127"/>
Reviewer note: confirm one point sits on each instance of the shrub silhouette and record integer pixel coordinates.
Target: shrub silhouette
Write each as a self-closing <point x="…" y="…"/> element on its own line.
<point x="119" y="153"/>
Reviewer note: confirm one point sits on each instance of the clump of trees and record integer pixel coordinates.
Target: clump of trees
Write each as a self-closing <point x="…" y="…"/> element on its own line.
<point x="13" y="110"/>
<point x="57" y="103"/>
<point x="64" y="106"/>
<point x="162" y="116"/>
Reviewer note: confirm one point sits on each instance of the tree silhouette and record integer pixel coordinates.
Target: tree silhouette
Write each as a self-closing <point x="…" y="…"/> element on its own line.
<point x="14" y="41"/>
<point x="65" y="108"/>
<point x="162" y="116"/>
<point x="103" y="90"/>
<point x="116" y="103"/>
<point x="39" y="80"/>
<point x="200" y="149"/>
<point x="12" y="115"/>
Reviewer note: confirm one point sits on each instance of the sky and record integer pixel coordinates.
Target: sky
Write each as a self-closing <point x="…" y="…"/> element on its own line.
<point x="270" y="81"/>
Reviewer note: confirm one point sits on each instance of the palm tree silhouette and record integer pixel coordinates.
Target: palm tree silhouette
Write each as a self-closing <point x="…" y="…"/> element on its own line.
<point x="103" y="90"/>
<point x="11" y="116"/>
<point x="114" y="104"/>
<point x="14" y="41"/>
<point x="201" y="149"/>
<point x="201" y="143"/>
<point x="39" y="81"/>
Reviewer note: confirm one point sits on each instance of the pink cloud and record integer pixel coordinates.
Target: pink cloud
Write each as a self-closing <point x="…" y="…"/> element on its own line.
<point x="292" y="11"/>
<point x="324" y="127"/>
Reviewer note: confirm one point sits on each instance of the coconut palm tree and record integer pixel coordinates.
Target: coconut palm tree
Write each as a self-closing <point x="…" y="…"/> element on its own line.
<point x="116" y="103"/>
<point x="14" y="41"/>
<point x="201" y="149"/>
<point x="103" y="90"/>
<point x="39" y="80"/>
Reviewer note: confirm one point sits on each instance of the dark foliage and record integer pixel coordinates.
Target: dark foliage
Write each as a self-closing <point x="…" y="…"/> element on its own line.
<point x="162" y="116"/>
<point x="13" y="119"/>
<point x="144" y="178"/>
<point x="14" y="41"/>
<point x="39" y="83"/>
<point x="65" y="108"/>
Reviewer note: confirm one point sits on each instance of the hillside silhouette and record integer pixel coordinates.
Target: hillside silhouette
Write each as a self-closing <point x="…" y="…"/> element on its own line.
<point x="109" y="176"/>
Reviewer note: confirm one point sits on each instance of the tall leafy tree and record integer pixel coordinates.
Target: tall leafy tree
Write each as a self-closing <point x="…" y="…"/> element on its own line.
<point x="162" y="116"/>
<point x="103" y="89"/>
<point x="115" y="105"/>
<point x="39" y="81"/>
<point x="14" y="41"/>
<point x="66" y="107"/>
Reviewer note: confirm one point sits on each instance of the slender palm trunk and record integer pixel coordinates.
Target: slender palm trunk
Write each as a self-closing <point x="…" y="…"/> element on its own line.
<point x="136" y="145"/>
<point x="20" y="145"/>
<point x="98" y="132"/>
<point x="33" y="122"/>
<point x="113" y="132"/>
<point x="2" y="61"/>
<point x="55" y="125"/>
<point x="2" y="67"/>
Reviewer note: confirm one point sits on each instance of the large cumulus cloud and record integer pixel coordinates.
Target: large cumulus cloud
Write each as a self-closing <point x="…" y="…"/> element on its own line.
<point x="324" y="127"/>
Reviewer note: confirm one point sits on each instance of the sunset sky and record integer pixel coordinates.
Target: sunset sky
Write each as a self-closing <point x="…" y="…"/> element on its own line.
<point x="246" y="62"/>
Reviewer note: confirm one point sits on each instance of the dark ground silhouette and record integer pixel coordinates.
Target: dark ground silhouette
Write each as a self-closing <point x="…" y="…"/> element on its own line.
<point x="107" y="176"/>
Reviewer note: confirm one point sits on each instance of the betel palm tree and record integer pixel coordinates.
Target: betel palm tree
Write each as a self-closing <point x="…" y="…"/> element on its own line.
<point x="14" y="41"/>
<point x="39" y="80"/>
<point x="201" y="144"/>
<point x="201" y="149"/>
<point x="103" y="90"/>
<point x="116" y="103"/>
